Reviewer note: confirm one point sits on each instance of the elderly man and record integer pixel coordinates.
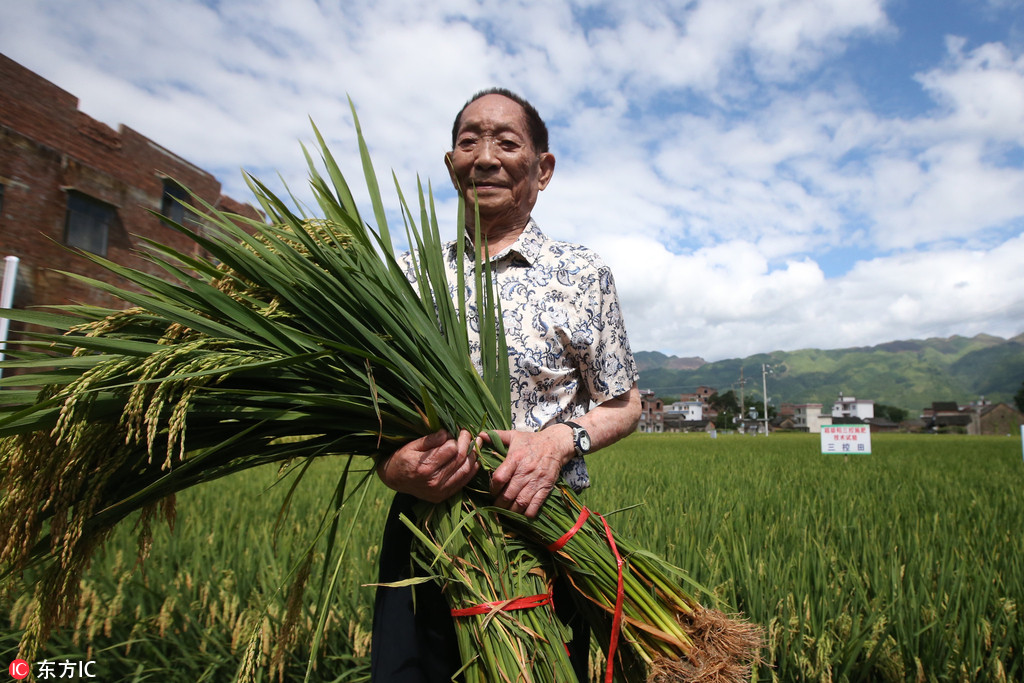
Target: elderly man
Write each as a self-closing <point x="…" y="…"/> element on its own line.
<point x="573" y="378"/>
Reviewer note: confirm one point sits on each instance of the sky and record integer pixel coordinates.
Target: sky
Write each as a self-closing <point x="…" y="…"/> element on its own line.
<point x="760" y="175"/>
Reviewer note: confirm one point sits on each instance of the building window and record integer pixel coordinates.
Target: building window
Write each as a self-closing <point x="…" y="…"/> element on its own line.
<point x="171" y="204"/>
<point x="88" y="223"/>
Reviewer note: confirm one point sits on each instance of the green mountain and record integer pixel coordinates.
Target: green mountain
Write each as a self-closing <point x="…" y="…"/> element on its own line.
<point x="909" y="374"/>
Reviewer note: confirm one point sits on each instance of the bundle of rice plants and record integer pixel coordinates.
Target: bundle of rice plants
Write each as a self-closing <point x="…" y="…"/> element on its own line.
<point x="302" y="338"/>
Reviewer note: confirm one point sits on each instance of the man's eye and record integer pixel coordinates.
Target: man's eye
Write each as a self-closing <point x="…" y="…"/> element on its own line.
<point x="509" y="145"/>
<point x="466" y="143"/>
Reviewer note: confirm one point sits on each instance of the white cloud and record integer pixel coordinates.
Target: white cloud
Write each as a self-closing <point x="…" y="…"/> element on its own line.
<point x="982" y="90"/>
<point x="949" y="193"/>
<point x="726" y="302"/>
<point x="795" y="35"/>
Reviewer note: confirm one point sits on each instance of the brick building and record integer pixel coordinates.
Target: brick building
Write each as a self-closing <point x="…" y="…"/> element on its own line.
<point x="68" y="180"/>
<point x="998" y="419"/>
<point x="652" y="413"/>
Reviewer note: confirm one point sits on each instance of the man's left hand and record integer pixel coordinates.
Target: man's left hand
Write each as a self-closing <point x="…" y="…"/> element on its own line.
<point x="533" y="464"/>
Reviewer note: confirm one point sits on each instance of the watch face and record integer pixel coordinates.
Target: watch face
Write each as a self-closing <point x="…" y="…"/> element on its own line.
<point x="584" y="441"/>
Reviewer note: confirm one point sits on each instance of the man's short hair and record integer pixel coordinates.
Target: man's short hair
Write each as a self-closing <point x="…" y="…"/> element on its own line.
<point x="534" y="123"/>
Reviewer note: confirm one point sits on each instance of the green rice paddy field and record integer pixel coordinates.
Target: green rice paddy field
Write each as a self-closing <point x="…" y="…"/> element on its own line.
<point x="903" y="565"/>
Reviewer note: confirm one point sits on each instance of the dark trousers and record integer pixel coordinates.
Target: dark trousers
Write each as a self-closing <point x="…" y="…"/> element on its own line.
<point x="413" y="633"/>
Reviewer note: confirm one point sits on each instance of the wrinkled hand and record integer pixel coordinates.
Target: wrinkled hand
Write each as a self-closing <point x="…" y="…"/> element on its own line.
<point x="432" y="468"/>
<point x="533" y="464"/>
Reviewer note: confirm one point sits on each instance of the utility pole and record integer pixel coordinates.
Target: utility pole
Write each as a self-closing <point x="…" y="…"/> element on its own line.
<point x="743" y="383"/>
<point x="765" y="369"/>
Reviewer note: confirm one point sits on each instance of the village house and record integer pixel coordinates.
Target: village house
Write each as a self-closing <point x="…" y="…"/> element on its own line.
<point x="849" y="407"/>
<point x="809" y="417"/>
<point x="996" y="420"/>
<point x="881" y="424"/>
<point x="946" y="416"/>
<point x="686" y="416"/>
<point x="686" y="410"/>
<point x="702" y="394"/>
<point x="652" y="413"/>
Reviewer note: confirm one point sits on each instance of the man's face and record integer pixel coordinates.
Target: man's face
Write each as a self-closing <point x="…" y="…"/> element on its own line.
<point x="494" y="161"/>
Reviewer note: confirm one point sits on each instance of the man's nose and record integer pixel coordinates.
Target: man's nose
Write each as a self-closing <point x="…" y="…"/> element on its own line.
<point x="486" y="155"/>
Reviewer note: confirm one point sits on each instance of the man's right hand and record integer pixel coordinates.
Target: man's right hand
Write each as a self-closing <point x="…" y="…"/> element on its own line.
<point x="432" y="468"/>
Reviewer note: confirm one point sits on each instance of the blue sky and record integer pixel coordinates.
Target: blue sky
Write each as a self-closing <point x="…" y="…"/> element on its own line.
<point x="760" y="174"/>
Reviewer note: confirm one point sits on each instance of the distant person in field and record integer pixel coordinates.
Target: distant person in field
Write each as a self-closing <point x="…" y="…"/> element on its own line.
<point x="573" y="379"/>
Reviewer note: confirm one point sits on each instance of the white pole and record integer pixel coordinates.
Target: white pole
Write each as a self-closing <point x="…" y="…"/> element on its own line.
<point x="7" y="299"/>
<point x="764" y="390"/>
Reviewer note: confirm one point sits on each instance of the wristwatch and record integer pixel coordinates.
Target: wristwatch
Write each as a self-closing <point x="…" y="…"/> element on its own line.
<point x="580" y="438"/>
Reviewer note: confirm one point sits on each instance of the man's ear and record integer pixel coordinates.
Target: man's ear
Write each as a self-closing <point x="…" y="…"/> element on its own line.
<point x="546" y="166"/>
<point x="451" y="171"/>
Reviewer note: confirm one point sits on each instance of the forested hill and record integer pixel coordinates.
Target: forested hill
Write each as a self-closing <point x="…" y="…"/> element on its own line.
<point x="908" y="374"/>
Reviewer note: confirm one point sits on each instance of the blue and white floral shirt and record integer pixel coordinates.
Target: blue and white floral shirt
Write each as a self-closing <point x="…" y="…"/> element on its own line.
<point x="568" y="349"/>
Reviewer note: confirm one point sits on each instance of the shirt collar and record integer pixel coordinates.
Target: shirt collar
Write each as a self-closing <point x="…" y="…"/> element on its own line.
<point x="530" y="242"/>
<point x="527" y="246"/>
